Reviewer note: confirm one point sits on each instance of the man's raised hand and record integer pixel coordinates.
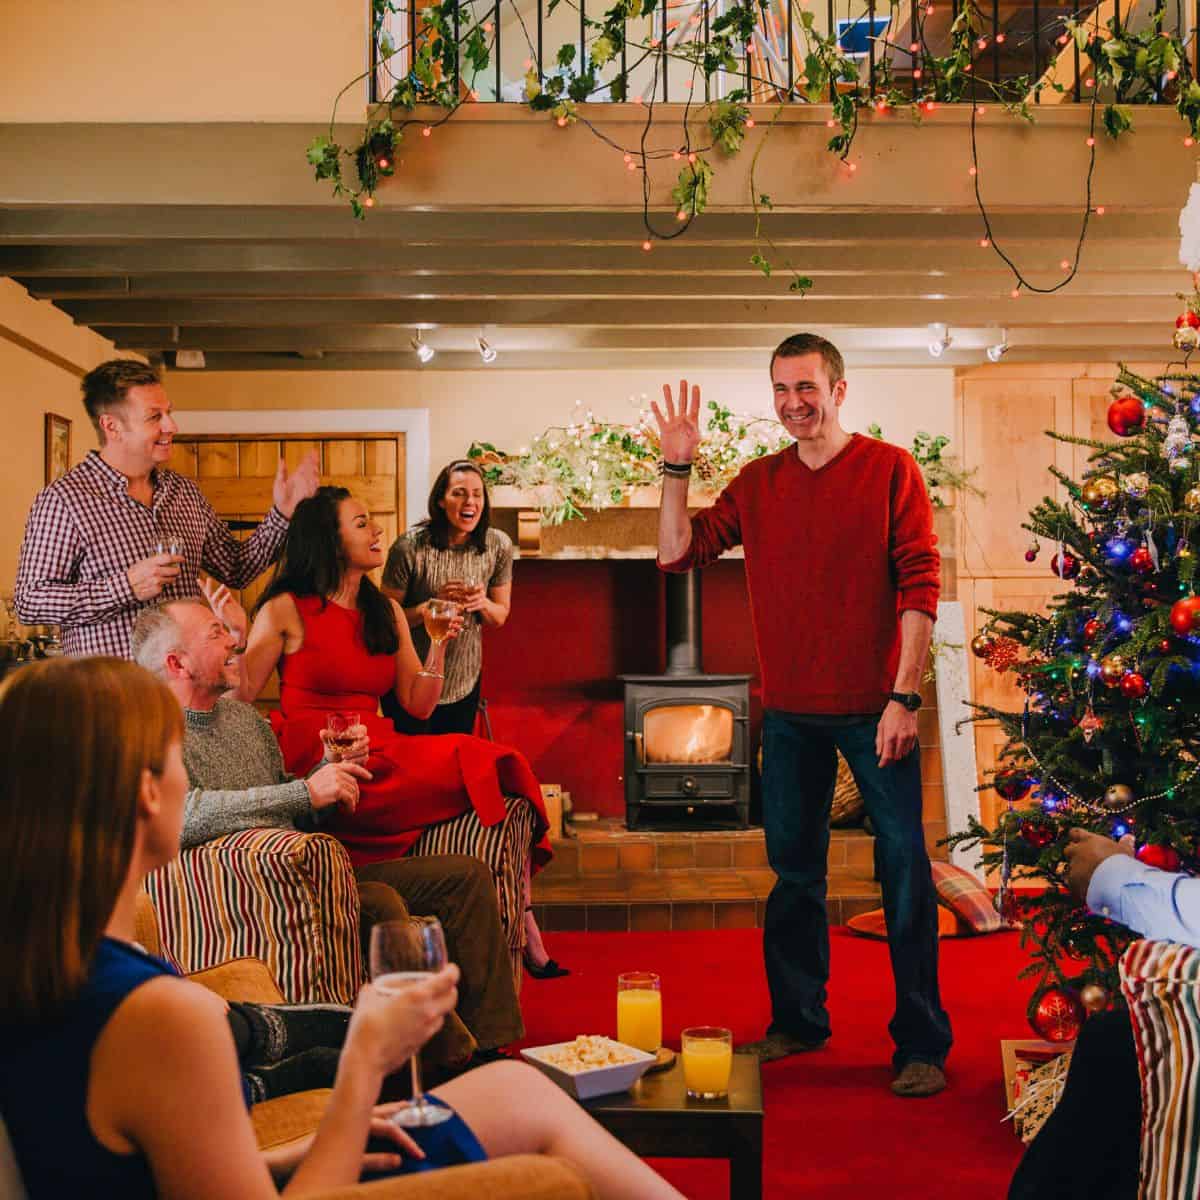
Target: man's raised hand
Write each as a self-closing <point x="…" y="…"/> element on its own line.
<point x="679" y="428"/>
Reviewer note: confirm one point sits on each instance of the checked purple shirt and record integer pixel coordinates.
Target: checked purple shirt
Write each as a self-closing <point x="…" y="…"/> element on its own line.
<point x="85" y="531"/>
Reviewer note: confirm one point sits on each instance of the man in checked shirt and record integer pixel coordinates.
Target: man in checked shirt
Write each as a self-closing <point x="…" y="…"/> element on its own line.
<point x="98" y="542"/>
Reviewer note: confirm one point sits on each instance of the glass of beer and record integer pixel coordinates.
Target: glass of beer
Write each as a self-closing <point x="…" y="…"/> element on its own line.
<point x="707" y="1061"/>
<point x="639" y="1010"/>
<point x="339" y="736"/>
<point x="438" y="617"/>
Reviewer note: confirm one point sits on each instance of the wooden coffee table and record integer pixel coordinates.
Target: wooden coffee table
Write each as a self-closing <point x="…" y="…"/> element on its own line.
<point x="655" y="1119"/>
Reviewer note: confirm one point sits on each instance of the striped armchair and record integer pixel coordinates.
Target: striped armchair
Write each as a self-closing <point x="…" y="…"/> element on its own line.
<point x="1161" y="983"/>
<point x="505" y="849"/>
<point x="290" y="899"/>
<point x="287" y="898"/>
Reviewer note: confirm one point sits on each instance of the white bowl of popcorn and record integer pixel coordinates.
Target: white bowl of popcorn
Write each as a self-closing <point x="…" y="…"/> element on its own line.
<point x="591" y="1065"/>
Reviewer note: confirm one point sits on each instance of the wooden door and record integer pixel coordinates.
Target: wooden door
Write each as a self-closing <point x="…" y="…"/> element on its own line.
<point x="1003" y="423"/>
<point x="236" y="475"/>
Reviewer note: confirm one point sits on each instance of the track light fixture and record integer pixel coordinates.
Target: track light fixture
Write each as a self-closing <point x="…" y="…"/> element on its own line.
<point x="939" y="340"/>
<point x="423" y="351"/>
<point x="1000" y="349"/>
<point x="486" y="351"/>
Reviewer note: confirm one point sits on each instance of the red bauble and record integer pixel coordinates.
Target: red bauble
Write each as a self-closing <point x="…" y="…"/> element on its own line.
<point x="1037" y="834"/>
<point x="1012" y="786"/>
<point x="1162" y="857"/>
<point x="1185" y="615"/>
<point x="1030" y="555"/>
<point x="1058" y="1015"/>
<point x="1134" y="686"/>
<point x="1065" y="566"/>
<point x="1188" y="318"/>
<point x="1126" y="416"/>
<point x="1092" y="629"/>
<point x="1141" y="561"/>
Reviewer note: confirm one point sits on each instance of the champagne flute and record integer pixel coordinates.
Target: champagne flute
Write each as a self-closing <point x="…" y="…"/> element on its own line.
<point x="338" y="738"/>
<point x="404" y="953"/>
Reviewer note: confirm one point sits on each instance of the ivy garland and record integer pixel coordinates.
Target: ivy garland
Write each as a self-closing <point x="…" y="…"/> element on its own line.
<point x="1143" y="66"/>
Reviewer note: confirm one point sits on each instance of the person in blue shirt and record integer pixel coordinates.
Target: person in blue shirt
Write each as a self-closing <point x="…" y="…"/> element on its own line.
<point x="118" y="1078"/>
<point x="1089" y="1144"/>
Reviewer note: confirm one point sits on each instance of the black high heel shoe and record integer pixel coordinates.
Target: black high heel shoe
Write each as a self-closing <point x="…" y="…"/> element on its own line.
<point x="548" y="970"/>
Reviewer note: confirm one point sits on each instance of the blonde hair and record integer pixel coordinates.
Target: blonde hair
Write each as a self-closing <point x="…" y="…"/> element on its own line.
<point x="76" y="736"/>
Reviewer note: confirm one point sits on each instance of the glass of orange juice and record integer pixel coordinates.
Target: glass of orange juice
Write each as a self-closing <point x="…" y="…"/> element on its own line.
<point x="639" y="1010"/>
<point x="707" y="1061"/>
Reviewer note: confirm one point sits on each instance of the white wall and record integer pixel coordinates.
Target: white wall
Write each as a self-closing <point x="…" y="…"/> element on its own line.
<point x="508" y="408"/>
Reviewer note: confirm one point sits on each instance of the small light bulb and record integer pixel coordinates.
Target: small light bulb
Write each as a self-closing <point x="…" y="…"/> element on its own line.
<point x="984" y="243"/>
<point x="1091" y="141"/>
<point x="1065" y="265"/>
<point x="369" y="202"/>
<point x="647" y="245"/>
<point x="972" y="170"/>
<point x="749" y="122"/>
<point x="1099" y="210"/>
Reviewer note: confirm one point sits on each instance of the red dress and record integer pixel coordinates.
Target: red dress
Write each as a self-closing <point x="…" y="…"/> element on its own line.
<point x="417" y="781"/>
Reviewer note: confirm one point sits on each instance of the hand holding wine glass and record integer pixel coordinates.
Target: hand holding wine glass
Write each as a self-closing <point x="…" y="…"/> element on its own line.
<point x="408" y="961"/>
<point x="341" y="735"/>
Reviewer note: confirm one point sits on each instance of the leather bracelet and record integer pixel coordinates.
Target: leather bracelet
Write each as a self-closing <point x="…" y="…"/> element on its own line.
<point x="680" y="470"/>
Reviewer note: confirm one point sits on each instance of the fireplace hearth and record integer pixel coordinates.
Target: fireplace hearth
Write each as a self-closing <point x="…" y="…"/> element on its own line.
<point x="687" y="760"/>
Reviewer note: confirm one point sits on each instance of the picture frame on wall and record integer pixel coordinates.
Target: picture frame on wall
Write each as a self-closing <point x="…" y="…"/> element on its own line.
<point x="58" y="446"/>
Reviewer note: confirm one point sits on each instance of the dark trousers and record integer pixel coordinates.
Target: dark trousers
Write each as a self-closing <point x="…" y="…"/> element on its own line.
<point x="459" y="891"/>
<point x="1088" y="1147"/>
<point x="458" y="717"/>
<point x="799" y="772"/>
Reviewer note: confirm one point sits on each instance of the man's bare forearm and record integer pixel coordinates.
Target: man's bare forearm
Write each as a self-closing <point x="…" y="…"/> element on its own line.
<point x="916" y="633"/>
<point x="674" y="525"/>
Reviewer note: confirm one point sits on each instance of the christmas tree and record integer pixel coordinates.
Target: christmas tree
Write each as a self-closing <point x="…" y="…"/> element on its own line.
<point x="1108" y="737"/>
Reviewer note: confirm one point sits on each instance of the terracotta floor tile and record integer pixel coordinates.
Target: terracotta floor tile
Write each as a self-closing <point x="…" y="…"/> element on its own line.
<point x="650" y="918"/>
<point x="691" y="916"/>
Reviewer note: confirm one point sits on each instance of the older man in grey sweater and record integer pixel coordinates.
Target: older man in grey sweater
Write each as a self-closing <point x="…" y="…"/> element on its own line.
<point x="238" y="782"/>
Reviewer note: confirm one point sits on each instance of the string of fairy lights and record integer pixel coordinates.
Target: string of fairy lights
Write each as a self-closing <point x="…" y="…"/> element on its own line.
<point x="657" y="51"/>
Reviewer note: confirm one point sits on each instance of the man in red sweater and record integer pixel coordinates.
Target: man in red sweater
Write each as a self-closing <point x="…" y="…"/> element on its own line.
<point x="843" y="576"/>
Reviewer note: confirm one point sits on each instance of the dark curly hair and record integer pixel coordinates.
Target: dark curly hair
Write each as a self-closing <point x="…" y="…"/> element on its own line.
<point x="312" y="565"/>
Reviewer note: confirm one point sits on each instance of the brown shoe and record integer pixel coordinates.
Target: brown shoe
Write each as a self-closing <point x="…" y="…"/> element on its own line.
<point x="919" y="1079"/>
<point x="779" y="1045"/>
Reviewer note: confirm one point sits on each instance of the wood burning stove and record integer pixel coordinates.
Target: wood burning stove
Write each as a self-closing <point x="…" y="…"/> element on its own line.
<point x="687" y="736"/>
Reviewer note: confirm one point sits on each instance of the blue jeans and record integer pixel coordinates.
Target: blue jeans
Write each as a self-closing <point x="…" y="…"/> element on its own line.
<point x="799" y="772"/>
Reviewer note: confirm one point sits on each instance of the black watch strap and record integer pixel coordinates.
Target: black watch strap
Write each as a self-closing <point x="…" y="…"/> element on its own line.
<point x="910" y="700"/>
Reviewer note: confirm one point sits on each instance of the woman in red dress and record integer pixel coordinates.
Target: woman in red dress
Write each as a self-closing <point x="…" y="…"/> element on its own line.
<point x="339" y="645"/>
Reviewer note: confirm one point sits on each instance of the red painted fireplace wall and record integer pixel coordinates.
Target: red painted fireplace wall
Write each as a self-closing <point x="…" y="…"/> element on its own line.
<point x="550" y="675"/>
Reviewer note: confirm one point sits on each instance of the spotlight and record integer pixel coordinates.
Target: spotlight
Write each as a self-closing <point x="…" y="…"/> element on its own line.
<point x="1000" y="349"/>
<point x="189" y="360"/>
<point x="424" y="352"/>
<point x="940" y="340"/>
<point x="486" y="352"/>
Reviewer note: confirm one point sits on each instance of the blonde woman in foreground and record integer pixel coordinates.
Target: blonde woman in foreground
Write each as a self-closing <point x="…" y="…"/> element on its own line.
<point x="117" y="1077"/>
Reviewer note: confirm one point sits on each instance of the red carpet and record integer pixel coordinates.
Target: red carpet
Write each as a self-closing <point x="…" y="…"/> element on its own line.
<point x="833" y="1130"/>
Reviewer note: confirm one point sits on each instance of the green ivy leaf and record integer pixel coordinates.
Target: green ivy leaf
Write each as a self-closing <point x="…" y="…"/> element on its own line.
<point x="566" y="54"/>
<point x="757" y="260"/>
<point x="602" y="51"/>
<point x="801" y="284"/>
<point x="1117" y="120"/>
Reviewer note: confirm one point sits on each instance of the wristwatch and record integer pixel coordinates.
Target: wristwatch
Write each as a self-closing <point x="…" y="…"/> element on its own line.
<point x="910" y="700"/>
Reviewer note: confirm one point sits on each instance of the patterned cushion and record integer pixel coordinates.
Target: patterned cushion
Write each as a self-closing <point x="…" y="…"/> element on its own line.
<point x="505" y="849"/>
<point x="966" y="897"/>
<point x="1161" y="983"/>
<point x="286" y="898"/>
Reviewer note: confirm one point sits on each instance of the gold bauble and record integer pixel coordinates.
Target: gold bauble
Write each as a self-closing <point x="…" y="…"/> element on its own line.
<point x="1136" y="485"/>
<point x="1184" y="554"/>
<point x="1191" y="500"/>
<point x="1100" y="493"/>
<point x="1118" y="795"/>
<point x="982" y="644"/>
<point x="1112" y="669"/>
<point x="1093" y="997"/>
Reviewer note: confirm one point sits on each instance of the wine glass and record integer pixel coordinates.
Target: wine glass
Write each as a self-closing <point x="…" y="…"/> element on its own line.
<point x="438" y="617"/>
<point x="404" y="953"/>
<point x="338" y="735"/>
<point x="169" y="545"/>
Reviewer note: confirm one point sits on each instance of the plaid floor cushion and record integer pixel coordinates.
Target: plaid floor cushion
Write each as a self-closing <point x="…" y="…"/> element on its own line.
<point x="1161" y="982"/>
<point x="505" y="849"/>
<point x="287" y="898"/>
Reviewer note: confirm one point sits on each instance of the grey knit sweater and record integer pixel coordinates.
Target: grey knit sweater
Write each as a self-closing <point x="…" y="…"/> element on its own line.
<point x="236" y="772"/>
